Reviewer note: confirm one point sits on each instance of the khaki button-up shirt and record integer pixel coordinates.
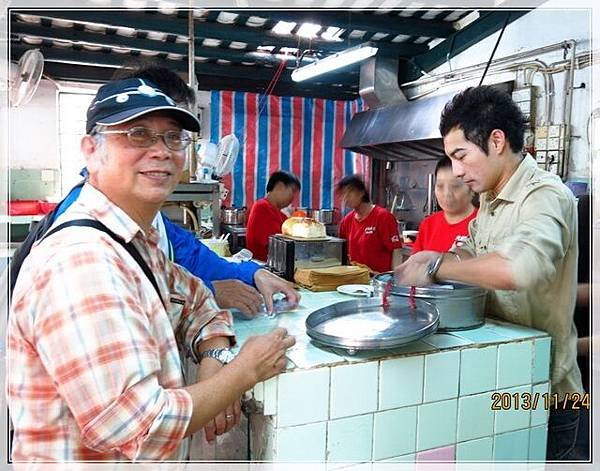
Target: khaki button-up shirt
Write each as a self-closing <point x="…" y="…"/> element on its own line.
<point x="533" y="224"/>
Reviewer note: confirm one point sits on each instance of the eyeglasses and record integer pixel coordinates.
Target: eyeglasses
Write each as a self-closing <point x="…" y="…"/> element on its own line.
<point x="140" y="136"/>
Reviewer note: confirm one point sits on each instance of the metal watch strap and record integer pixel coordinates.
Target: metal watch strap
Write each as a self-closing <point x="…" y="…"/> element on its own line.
<point x="433" y="267"/>
<point x="215" y="353"/>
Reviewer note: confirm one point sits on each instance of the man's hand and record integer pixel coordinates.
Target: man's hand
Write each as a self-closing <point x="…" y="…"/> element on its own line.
<point x="269" y="284"/>
<point x="413" y="272"/>
<point x="225" y="420"/>
<point x="237" y="295"/>
<point x="263" y="356"/>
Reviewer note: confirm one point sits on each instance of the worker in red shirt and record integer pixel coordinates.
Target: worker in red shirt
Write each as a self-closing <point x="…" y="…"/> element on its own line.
<point x="265" y="217"/>
<point x="439" y="230"/>
<point x="371" y="231"/>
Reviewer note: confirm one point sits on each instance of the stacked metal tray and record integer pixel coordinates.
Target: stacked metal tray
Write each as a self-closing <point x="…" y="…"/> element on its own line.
<point x="364" y="324"/>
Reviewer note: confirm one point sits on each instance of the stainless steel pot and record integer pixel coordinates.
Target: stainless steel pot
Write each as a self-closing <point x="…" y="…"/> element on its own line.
<point x="233" y="215"/>
<point x="461" y="307"/>
<point x="324" y="216"/>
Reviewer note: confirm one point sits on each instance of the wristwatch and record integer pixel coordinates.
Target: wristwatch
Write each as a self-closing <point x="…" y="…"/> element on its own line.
<point x="224" y="355"/>
<point x="433" y="267"/>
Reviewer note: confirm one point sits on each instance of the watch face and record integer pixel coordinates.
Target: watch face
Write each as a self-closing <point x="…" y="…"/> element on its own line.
<point x="225" y="356"/>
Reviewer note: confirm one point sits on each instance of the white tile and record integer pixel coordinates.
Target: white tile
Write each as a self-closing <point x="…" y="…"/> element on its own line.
<point x="270" y="396"/>
<point x="401" y="382"/>
<point x="353" y="389"/>
<point x="258" y="391"/>
<point x="303" y="397"/>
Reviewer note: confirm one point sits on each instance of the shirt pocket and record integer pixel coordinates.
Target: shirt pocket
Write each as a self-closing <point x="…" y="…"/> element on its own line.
<point x="175" y="308"/>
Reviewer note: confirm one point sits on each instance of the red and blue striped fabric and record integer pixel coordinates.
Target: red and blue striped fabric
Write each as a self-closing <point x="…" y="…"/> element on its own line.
<point x="300" y="135"/>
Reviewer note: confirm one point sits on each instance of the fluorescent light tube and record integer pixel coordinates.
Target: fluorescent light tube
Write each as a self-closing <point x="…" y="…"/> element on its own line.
<point x="334" y="62"/>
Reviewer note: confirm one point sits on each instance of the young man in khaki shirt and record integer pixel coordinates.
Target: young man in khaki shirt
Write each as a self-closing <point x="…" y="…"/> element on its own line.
<point x="522" y="246"/>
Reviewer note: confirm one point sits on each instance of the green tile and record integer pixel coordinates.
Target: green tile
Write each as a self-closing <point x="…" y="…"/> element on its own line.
<point x="441" y="376"/>
<point x="303" y="397"/>
<point x="537" y="443"/>
<point x="302" y="443"/>
<point x="394" y="433"/>
<point x="436" y="424"/>
<point x="514" y="364"/>
<point x="515" y="417"/>
<point x="512" y="446"/>
<point x="478" y="370"/>
<point x="359" y="379"/>
<point x="475" y="450"/>
<point x="350" y="439"/>
<point x="516" y="331"/>
<point x="482" y="335"/>
<point x="541" y="359"/>
<point x="310" y="356"/>
<point x="475" y="417"/>
<point x="539" y="412"/>
<point x="401" y="382"/>
<point x="443" y="341"/>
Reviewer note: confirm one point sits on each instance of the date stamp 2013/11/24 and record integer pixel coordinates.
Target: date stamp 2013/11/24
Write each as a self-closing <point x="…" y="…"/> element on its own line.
<point x="528" y="401"/>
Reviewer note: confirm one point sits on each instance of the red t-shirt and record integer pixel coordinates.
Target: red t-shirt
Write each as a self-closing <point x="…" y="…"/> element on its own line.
<point x="372" y="240"/>
<point x="435" y="233"/>
<point x="264" y="220"/>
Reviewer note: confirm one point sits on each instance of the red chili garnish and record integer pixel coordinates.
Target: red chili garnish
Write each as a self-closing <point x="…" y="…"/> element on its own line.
<point x="411" y="297"/>
<point x="385" y="301"/>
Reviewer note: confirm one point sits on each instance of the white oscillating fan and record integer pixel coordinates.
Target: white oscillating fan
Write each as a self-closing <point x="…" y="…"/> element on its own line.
<point x="27" y="77"/>
<point x="227" y="152"/>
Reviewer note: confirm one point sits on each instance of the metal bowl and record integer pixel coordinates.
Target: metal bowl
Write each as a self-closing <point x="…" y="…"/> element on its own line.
<point x="461" y="306"/>
<point x="324" y="216"/>
<point x="363" y="324"/>
<point x="233" y="215"/>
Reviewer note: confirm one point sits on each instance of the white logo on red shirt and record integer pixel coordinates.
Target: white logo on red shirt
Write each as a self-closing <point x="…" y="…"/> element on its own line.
<point x="395" y="238"/>
<point x="370" y="230"/>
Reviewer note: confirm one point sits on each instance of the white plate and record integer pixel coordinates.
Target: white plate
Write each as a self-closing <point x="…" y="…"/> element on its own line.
<point x="360" y="291"/>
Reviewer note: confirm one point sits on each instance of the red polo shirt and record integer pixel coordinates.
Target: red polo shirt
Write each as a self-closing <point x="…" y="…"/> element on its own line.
<point x="264" y="220"/>
<point x="435" y="233"/>
<point x="372" y="240"/>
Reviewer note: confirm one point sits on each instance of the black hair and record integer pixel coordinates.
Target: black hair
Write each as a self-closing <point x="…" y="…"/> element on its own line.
<point x="444" y="162"/>
<point x="477" y="111"/>
<point x="354" y="182"/>
<point x="288" y="179"/>
<point x="167" y="80"/>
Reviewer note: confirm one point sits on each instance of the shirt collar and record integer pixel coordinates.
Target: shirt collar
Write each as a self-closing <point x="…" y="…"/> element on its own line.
<point x="97" y="204"/>
<point x="517" y="180"/>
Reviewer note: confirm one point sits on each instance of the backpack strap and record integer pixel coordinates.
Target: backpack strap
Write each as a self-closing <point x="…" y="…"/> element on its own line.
<point x="126" y="245"/>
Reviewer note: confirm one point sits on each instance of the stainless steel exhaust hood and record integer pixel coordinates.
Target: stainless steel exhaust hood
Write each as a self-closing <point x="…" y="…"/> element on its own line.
<point x="395" y="128"/>
<point x="403" y="131"/>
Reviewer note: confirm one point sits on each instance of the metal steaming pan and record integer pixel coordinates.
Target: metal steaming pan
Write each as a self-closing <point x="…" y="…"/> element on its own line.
<point x="362" y="324"/>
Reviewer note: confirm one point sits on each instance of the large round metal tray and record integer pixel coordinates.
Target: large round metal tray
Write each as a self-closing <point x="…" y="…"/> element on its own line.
<point x="460" y="307"/>
<point x="363" y="324"/>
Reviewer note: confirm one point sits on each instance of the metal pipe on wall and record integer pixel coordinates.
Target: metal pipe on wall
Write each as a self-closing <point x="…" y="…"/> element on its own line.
<point x="192" y="82"/>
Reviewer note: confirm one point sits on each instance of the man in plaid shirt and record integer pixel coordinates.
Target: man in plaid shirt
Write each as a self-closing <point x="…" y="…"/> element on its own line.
<point x="93" y="348"/>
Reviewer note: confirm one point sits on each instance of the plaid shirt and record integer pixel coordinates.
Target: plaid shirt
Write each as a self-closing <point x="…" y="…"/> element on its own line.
<point x="93" y="362"/>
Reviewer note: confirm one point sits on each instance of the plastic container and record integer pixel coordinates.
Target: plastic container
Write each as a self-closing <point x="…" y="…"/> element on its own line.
<point x="218" y="246"/>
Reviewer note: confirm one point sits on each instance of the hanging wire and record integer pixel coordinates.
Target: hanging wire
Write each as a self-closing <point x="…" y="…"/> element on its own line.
<point x="495" y="47"/>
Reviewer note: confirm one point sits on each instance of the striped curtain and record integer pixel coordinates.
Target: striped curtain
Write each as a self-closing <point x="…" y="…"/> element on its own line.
<point x="300" y="135"/>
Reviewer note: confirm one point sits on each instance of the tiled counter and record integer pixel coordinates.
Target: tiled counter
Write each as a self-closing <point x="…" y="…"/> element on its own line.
<point x="430" y="400"/>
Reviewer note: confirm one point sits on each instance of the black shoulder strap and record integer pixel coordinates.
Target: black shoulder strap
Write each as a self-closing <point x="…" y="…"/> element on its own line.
<point x="126" y="245"/>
